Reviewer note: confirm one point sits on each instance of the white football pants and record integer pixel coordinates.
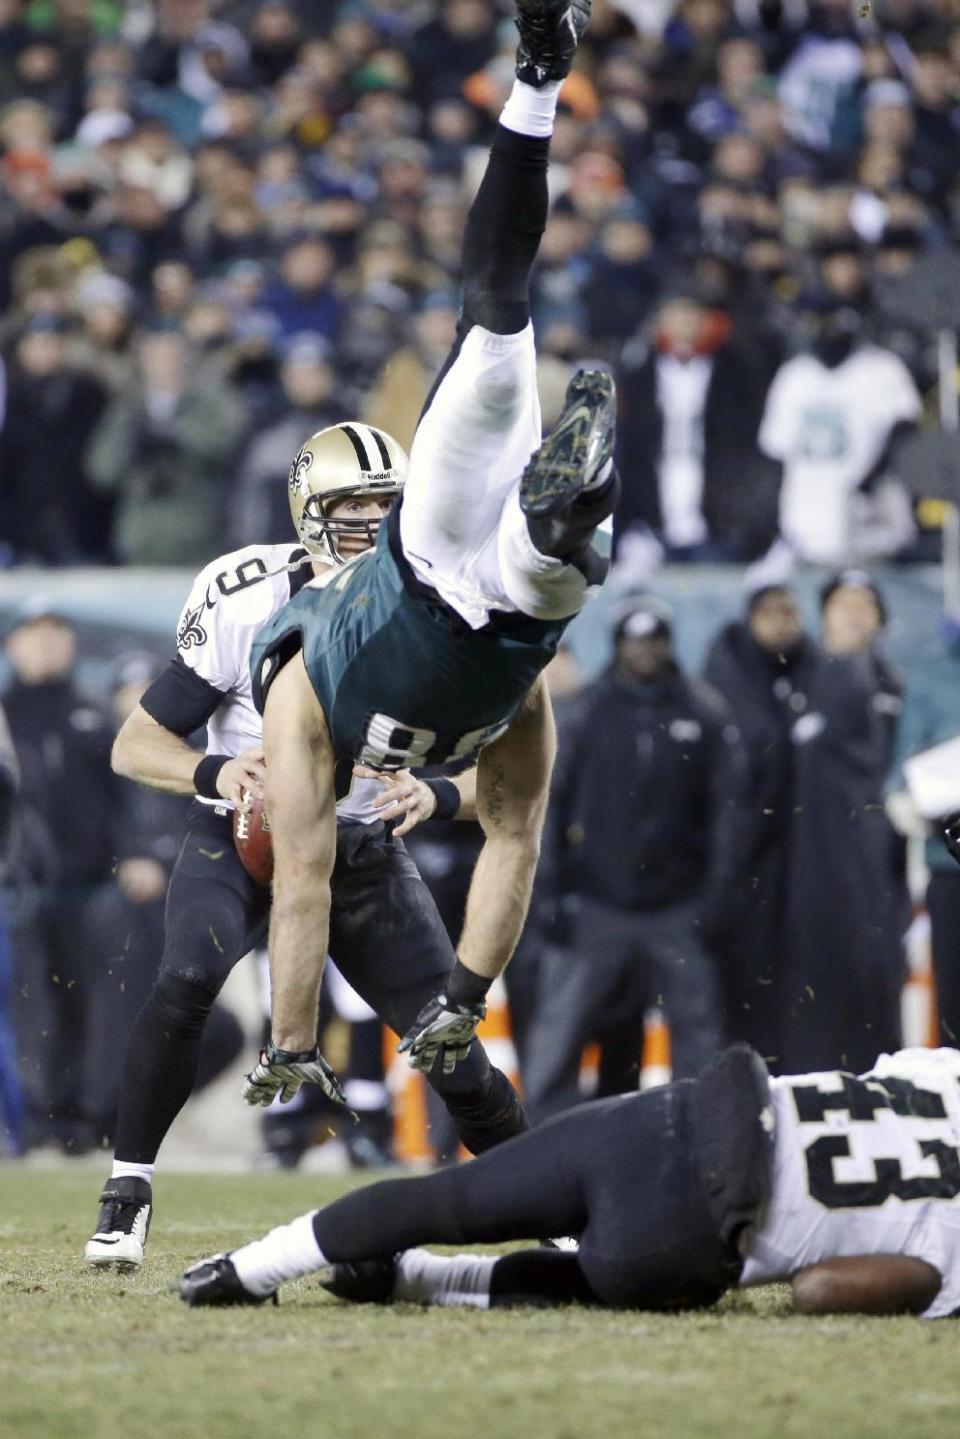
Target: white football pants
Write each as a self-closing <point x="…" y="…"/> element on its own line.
<point x="461" y="525"/>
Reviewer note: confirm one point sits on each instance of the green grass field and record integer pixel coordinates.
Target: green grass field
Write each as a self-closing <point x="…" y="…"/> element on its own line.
<point x="88" y="1355"/>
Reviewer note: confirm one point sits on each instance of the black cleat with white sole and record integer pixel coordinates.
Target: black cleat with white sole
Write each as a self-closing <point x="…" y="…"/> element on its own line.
<point x="361" y="1281"/>
<point x="550" y="31"/>
<point x="577" y="448"/>
<point x="120" y="1238"/>
<point x="215" y="1281"/>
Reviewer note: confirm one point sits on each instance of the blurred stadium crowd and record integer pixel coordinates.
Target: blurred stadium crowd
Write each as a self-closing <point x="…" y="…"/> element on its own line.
<point x="219" y="222"/>
<point x="226" y="225"/>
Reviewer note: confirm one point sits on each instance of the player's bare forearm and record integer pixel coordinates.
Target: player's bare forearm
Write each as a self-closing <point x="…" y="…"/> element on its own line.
<point x="298" y="930"/>
<point x="146" y="752"/>
<point x="301" y="805"/>
<point x="150" y="754"/>
<point x="866" y="1284"/>
<point x="466" y="785"/>
<point x="512" y="784"/>
<point x="497" y="906"/>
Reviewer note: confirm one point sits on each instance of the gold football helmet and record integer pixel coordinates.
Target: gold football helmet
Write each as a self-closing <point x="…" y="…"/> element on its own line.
<point x="336" y="464"/>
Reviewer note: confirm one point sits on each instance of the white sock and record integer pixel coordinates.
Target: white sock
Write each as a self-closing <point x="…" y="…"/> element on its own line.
<point x="285" y="1253"/>
<point x="123" y="1170"/>
<point x="600" y="478"/>
<point x="529" y="111"/>
<point x="458" y="1281"/>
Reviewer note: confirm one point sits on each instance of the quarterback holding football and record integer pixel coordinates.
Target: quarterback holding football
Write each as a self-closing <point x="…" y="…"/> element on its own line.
<point x="372" y="648"/>
<point x="218" y="903"/>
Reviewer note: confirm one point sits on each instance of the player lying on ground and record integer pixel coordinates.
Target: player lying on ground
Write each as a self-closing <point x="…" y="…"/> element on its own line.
<point x="430" y="647"/>
<point x="848" y="1187"/>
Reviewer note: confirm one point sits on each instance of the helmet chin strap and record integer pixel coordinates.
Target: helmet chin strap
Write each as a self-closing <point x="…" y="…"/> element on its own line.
<point x="318" y="548"/>
<point x="309" y="557"/>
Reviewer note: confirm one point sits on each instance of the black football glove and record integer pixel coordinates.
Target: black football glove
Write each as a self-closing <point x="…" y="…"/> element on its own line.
<point x="441" y="1024"/>
<point x="282" y="1071"/>
<point x="950" y="829"/>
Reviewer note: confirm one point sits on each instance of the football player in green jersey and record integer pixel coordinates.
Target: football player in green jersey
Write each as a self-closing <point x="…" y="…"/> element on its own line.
<point x="430" y="646"/>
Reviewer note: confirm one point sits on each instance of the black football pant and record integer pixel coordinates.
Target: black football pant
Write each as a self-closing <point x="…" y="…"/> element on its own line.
<point x="614" y="966"/>
<point x="125" y="939"/>
<point x="622" y="1173"/>
<point x="387" y="940"/>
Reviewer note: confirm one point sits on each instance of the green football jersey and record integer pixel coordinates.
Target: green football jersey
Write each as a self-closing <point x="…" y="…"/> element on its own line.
<point x="402" y="679"/>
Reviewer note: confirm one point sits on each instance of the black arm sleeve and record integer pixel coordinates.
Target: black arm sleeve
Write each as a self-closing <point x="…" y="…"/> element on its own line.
<point x="180" y="700"/>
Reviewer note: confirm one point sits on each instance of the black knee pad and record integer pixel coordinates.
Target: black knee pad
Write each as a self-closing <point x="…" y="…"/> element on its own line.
<point x="487" y="1117"/>
<point x="181" y="1003"/>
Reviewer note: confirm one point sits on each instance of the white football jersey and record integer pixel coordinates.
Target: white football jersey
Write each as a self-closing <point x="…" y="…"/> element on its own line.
<point x="231" y="600"/>
<point x="866" y="1165"/>
<point x="830" y="427"/>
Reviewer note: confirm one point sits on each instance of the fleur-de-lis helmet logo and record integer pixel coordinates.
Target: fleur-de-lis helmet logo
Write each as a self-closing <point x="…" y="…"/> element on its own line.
<point x="298" y="470"/>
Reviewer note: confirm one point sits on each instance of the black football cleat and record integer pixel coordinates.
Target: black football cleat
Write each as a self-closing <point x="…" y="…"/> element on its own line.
<point x="550" y="31"/>
<point x="576" y="449"/>
<point x="361" y="1281"/>
<point x="214" y="1281"/>
<point x="120" y="1238"/>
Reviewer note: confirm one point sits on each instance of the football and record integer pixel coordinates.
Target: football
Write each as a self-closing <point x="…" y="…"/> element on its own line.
<point x="251" y="835"/>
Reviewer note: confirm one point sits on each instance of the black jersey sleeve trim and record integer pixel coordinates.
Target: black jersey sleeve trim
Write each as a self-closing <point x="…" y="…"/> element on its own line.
<point x="281" y="649"/>
<point x="181" y="700"/>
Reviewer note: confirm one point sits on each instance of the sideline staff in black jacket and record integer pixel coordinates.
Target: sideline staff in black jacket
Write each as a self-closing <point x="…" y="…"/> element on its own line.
<point x="62" y="856"/>
<point x="815" y="966"/>
<point x="644" y="845"/>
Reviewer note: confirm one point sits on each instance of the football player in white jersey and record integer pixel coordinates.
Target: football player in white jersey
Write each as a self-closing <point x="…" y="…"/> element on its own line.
<point x="386" y="936"/>
<point x="847" y="1187"/>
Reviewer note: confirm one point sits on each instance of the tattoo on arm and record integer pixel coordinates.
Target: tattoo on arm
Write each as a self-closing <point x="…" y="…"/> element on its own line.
<point x="529" y="706"/>
<point x="495" y="797"/>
